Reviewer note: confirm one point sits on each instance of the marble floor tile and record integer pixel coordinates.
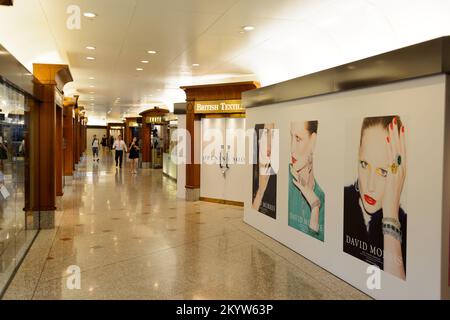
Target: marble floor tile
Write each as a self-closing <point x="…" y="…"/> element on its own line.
<point x="133" y="239"/>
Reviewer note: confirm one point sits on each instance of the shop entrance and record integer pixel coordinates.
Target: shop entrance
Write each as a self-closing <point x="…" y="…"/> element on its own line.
<point x="223" y="158"/>
<point x="154" y="137"/>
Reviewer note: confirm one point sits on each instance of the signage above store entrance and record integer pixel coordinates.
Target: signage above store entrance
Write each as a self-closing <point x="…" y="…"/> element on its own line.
<point x="155" y="120"/>
<point x="219" y="106"/>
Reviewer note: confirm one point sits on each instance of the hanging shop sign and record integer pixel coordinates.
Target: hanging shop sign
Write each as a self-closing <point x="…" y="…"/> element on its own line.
<point x="154" y="120"/>
<point x="219" y="106"/>
<point x="170" y="117"/>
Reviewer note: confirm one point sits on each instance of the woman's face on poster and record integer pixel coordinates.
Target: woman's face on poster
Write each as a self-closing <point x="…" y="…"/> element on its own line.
<point x="265" y="144"/>
<point x="302" y="145"/>
<point x="372" y="168"/>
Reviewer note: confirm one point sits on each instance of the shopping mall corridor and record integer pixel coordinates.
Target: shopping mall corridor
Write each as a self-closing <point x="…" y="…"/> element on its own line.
<point x="133" y="239"/>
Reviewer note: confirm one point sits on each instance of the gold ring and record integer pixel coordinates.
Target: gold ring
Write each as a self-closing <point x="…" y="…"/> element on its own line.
<point x="394" y="168"/>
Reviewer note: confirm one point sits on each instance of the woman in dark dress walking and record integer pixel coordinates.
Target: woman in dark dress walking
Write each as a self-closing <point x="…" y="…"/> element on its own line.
<point x="134" y="155"/>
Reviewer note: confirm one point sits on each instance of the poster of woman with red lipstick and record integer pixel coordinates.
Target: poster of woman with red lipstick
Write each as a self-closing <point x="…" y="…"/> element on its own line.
<point x="264" y="197"/>
<point x="374" y="222"/>
<point x="306" y="207"/>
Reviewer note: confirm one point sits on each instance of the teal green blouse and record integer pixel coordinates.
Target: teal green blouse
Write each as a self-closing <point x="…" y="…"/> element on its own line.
<point x="300" y="211"/>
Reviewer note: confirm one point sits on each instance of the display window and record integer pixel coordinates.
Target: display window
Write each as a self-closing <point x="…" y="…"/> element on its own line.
<point x="14" y="236"/>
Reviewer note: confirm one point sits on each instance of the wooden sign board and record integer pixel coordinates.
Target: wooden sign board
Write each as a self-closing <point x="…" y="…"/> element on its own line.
<point x="219" y="106"/>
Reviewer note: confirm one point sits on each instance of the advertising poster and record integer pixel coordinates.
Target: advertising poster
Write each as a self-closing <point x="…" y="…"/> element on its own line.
<point x="374" y="220"/>
<point x="306" y="198"/>
<point x="264" y="197"/>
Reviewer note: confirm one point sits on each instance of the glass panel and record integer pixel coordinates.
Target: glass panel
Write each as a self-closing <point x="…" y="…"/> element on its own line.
<point x="14" y="236"/>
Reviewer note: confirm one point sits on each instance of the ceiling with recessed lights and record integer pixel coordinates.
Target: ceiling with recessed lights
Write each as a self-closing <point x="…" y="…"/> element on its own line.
<point x="128" y="56"/>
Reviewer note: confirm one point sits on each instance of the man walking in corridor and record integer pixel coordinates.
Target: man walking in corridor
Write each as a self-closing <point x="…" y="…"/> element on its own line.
<point x="119" y="146"/>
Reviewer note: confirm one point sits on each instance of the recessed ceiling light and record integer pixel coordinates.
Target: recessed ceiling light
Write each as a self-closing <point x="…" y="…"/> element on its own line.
<point x="90" y="47"/>
<point x="91" y="78"/>
<point x="248" y="28"/>
<point x="196" y="65"/>
<point x="144" y="61"/>
<point x="151" y="51"/>
<point x="139" y="69"/>
<point x="89" y="15"/>
<point x="92" y="92"/>
<point x="91" y="86"/>
<point x="90" y="58"/>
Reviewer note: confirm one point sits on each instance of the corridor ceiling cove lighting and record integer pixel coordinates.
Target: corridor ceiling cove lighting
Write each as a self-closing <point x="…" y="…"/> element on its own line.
<point x="90" y="58"/>
<point x="139" y="69"/>
<point x="144" y="61"/>
<point x="294" y="38"/>
<point x="90" y="48"/>
<point x="196" y="65"/>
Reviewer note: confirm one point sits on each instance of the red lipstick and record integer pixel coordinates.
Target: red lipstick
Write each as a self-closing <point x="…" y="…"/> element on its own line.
<point x="370" y="200"/>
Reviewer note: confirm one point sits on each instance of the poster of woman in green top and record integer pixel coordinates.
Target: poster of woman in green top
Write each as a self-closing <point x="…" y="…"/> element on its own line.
<point x="306" y="198"/>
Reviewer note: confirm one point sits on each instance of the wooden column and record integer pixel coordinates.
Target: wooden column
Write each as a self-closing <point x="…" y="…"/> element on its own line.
<point x="69" y="143"/>
<point x="76" y="141"/>
<point x="213" y="92"/>
<point x="192" y="168"/>
<point x="53" y="78"/>
<point x="130" y="123"/>
<point x="59" y="158"/>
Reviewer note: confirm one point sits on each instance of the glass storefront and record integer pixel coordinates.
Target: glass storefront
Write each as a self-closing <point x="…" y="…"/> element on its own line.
<point x="15" y="238"/>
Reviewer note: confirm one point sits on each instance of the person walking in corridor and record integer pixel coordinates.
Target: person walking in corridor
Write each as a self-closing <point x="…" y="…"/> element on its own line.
<point x="104" y="143"/>
<point x="95" y="146"/>
<point x="119" y="145"/>
<point x="134" y="155"/>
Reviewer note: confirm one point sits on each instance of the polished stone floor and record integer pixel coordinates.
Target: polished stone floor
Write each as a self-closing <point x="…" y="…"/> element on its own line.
<point x="133" y="239"/>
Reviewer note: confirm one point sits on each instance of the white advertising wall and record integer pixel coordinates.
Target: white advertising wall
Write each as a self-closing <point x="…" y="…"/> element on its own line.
<point x="420" y="104"/>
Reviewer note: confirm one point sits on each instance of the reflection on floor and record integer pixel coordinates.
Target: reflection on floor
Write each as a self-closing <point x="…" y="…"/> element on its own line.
<point x="133" y="239"/>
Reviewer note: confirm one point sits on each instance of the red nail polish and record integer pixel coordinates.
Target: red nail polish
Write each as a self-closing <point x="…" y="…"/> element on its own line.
<point x="391" y="126"/>
<point x="395" y="120"/>
<point x="388" y="140"/>
<point x="403" y="129"/>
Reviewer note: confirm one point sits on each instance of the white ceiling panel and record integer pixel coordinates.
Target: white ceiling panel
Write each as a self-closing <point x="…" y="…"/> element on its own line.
<point x="291" y="38"/>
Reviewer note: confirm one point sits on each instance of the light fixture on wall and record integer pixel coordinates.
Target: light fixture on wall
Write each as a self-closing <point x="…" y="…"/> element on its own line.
<point x="90" y="15"/>
<point x="248" y="28"/>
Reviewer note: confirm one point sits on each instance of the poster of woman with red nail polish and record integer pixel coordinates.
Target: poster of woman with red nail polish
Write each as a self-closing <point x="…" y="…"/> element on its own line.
<point x="374" y="221"/>
<point x="264" y="195"/>
<point x="306" y="198"/>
